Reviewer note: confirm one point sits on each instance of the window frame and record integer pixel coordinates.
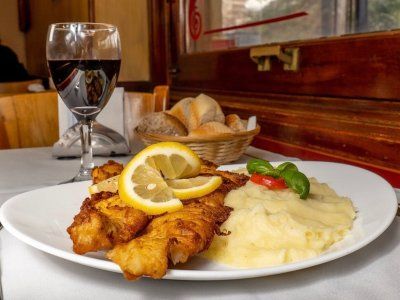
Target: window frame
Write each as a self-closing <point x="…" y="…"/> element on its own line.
<point x="354" y="74"/>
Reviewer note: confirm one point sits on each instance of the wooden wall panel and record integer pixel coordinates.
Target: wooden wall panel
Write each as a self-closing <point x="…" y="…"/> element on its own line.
<point x="358" y="131"/>
<point x="43" y="13"/>
<point x="9" y="31"/>
<point x="131" y="17"/>
<point x="363" y="66"/>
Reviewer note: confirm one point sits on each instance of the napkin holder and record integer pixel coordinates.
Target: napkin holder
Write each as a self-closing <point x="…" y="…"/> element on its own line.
<point x="107" y="139"/>
<point x="105" y="142"/>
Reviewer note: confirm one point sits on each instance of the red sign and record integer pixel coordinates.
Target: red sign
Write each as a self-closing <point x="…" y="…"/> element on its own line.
<point x="194" y="20"/>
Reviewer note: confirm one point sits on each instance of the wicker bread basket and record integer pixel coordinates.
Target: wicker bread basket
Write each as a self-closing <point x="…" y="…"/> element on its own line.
<point x="219" y="149"/>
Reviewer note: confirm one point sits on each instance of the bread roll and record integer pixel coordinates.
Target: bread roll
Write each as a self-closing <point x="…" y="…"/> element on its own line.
<point x="210" y="129"/>
<point x="234" y="122"/>
<point x="182" y="110"/>
<point x="193" y="112"/>
<point x="162" y="123"/>
<point x="205" y="109"/>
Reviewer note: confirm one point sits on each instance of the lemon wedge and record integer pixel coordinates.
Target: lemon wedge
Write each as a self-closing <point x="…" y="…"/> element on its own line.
<point x="108" y="185"/>
<point x="142" y="183"/>
<point x="194" y="187"/>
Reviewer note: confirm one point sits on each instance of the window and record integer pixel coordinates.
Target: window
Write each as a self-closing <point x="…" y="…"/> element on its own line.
<point x="342" y="104"/>
<point x="224" y="24"/>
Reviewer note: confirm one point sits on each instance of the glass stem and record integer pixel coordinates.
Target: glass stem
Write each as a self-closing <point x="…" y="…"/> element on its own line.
<point x="87" y="152"/>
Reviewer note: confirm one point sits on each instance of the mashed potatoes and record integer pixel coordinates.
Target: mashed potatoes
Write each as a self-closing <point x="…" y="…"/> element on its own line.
<point x="275" y="227"/>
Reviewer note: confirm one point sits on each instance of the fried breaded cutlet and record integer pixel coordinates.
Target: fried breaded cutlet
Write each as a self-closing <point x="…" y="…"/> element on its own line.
<point x="104" y="221"/>
<point x="175" y="237"/>
<point x="108" y="170"/>
<point x="172" y="237"/>
<point x="230" y="178"/>
<point x="230" y="181"/>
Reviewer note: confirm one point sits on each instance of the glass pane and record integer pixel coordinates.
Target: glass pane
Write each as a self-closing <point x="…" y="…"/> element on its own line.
<point x="382" y="15"/>
<point x="223" y="24"/>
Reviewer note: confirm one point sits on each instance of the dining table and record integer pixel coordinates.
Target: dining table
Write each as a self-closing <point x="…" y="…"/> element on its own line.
<point x="27" y="273"/>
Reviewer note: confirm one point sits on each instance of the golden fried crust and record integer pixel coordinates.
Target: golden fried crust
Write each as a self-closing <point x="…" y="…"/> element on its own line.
<point x="230" y="180"/>
<point x="103" y="221"/>
<point x="207" y="166"/>
<point x="108" y="170"/>
<point x="141" y="256"/>
<point x="124" y="222"/>
<point x="215" y="198"/>
<point x="88" y="232"/>
<point x="174" y="236"/>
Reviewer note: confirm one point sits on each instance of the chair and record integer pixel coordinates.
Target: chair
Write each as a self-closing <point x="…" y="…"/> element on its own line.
<point x="137" y="105"/>
<point x="17" y="87"/>
<point x="31" y="120"/>
<point x="28" y="120"/>
<point x="161" y="97"/>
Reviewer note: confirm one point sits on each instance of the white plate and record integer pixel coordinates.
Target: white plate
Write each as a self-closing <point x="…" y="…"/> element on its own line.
<point x="40" y="217"/>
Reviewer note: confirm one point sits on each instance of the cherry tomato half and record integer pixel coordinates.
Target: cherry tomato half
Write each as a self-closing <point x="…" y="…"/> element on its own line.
<point x="269" y="181"/>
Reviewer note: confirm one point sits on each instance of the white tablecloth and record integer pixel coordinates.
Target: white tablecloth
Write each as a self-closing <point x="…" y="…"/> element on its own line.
<point x="26" y="273"/>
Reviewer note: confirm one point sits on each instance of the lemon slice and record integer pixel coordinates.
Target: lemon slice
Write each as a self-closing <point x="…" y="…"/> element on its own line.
<point x="142" y="183"/>
<point x="108" y="185"/>
<point x="194" y="187"/>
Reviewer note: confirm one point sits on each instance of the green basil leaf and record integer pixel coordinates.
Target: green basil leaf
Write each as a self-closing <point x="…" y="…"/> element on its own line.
<point x="258" y="166"/>
<point x="297" y="181"/>
<point x="264" y="171"/>
<point x="287" y="166"/>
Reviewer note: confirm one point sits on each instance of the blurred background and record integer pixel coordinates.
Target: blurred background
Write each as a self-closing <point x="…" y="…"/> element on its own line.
<point x="24" y="23"/>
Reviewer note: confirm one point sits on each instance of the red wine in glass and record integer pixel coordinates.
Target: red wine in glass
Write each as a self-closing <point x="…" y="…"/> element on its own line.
<point x="85" y="85"/>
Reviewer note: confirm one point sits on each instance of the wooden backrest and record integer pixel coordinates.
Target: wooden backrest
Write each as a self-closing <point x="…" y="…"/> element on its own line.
<point x="137" y="105"/>
<point x="17" y="87"/>
<point x="161" y="97"/>
<point x="150" y="102"/>
<point x="28" y="120"/>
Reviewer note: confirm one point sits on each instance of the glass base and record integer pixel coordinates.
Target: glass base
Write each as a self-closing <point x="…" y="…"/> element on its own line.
<point x="83" y="175"/>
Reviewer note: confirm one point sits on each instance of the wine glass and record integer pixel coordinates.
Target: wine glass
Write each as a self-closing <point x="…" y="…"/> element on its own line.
<point x="84" y="61"/>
